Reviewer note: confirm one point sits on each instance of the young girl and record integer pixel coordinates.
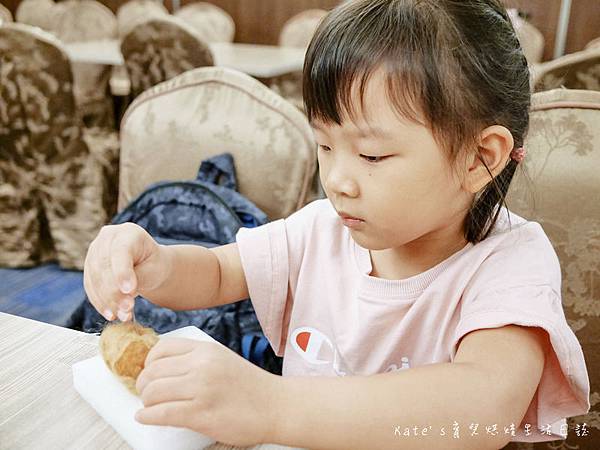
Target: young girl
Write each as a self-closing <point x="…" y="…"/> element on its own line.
<point x="425" y="314"/>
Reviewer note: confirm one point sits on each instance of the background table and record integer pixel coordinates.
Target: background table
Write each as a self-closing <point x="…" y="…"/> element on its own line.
<point x="39" y="407"/>
<point x="260" y="61"/>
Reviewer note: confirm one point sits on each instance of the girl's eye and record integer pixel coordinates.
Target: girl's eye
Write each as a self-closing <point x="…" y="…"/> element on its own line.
<point x="372" y="159"/>
<point x="368" y="158"/>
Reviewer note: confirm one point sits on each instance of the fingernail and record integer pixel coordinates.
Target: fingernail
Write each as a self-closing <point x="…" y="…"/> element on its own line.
<point x="108" y="314"/>
<point x="123" y="316"/>
<point x="126" y="287"/>
<point x="126" y="304"/>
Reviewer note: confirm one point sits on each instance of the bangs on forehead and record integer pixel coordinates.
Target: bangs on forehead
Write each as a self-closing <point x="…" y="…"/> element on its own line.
<point x="345" y="53"/>
<point x="339" y="96"/>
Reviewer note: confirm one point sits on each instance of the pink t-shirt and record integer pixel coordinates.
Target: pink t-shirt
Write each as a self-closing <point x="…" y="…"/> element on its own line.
<point x="321" y="310"/>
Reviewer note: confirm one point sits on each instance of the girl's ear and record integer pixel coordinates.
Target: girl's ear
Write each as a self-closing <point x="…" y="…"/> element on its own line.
<point x="495" y="145"/>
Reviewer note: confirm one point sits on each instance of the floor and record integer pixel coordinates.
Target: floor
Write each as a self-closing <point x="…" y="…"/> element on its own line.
<point x="46" y="293"/>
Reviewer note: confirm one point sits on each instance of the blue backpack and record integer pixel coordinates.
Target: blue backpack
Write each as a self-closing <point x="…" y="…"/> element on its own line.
<point x="207" y="211"/>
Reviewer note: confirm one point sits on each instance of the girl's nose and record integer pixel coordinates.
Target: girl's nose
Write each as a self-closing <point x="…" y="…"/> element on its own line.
<point x="339" y="182"/>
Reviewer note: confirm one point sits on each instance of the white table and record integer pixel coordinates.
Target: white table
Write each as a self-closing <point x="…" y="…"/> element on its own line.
<point x="39" y="407"/>
<point x="261" y="61"/>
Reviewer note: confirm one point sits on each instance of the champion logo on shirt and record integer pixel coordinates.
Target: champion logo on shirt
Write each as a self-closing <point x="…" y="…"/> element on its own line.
<point x="316" y="348"/>
<point x="313" y="346"/>
<point x="404" y="365"/>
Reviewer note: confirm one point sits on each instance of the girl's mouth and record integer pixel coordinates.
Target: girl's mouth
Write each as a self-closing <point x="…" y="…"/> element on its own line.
<point x="350" y="221"/>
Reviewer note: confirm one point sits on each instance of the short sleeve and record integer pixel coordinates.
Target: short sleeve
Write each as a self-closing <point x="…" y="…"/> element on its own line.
<point x="564" y="388"/>
<point x="271" y="255"/>
<point x="263" y="252"/>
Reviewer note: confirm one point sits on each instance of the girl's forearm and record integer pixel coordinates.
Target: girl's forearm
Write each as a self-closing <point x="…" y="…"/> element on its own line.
<point x="364" y="412"/>
<point x="192" y="281"/>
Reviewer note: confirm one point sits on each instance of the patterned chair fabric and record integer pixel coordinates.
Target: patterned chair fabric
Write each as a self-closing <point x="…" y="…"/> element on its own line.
<point x="5" y="15"/>
<point x="135" y="12"/>
<point x="289" y="86"/>
<point x="531" y="39"/>
<point x="161" y="49"/>
<point x="298" y="31"/>
<point x="580" y="70"/>
<point x="211" y="22"/>
<point x="170" y="128"/>
<point x="53" y="173"/>
<point x="559" y="188"/>
<point x="81" y="21"/>
<point x="37" y="13"/>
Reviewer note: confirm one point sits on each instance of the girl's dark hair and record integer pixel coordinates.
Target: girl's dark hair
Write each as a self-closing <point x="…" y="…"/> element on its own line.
<point x="453" y="65"/>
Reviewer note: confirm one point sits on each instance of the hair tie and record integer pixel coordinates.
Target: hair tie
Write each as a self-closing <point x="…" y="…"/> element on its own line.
<point x="518" y="154"/>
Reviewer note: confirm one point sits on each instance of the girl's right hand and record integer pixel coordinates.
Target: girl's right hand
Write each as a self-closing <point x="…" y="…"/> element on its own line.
<point x="122" y="261"/>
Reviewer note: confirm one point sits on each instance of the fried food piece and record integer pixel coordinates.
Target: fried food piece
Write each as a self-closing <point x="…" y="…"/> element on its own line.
<point x="124" y="347"/>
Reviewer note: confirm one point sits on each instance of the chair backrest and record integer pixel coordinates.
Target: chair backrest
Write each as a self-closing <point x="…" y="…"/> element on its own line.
<point x="42" y="143"/>
<point x="211" y="22"/>
<point x="87" y="20"/>
<point x="161" y="49"/>
<point x="593" y="43"/>
<point x="559" y="189"/>
<point x="135" y="12"/>
<point x="580" y="70"/>
<point x="38" y="58"/>
<point x="171" y="128"/>
<point x="5" y="14"/>
<point x="531" y="39"/>
<point x="37" y="13"/>
<point x="298" y="30"/>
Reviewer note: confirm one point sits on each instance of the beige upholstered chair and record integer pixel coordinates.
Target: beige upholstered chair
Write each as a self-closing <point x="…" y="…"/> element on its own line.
<point x="593" y="43"/>
<point x="81" y="21"/>
<point x="85" y="20"/>
<point x="5" y="15"/>
<point x="160" y="49"/>
<point x="531" y="39"/>
<point x="37" y="13"/>
<point x="298" y="31"/>
<point x="135" y="12"/>
<point x="559" y="188"/>
<point x="171" y="128"/>
<point x="57" y="179"/>
<point x="57" y="10"/>
<point x="580" y="70"/>
<point x="211" y="22"/>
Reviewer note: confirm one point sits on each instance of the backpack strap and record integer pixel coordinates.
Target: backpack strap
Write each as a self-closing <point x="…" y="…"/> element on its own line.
<point x="254" y="347"/>
<point x="218" y="170"/>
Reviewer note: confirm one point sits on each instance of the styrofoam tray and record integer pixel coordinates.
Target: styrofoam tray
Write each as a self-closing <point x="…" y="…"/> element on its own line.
<point x="98" y="386"/>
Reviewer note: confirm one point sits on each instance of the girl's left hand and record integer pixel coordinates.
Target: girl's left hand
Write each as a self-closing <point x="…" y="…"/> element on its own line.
<point x="208" y="388"/>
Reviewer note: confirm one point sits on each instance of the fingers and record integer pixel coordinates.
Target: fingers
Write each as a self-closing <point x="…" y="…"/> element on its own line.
<point x="176" y="414"/>
<point x="160" y="384"/>
<point x="163" y="368"/>
<point x="94" y="298"/>
<point x="123" y="250"/>
<point x="168" y="347"/>
<point x="109" y="269"/>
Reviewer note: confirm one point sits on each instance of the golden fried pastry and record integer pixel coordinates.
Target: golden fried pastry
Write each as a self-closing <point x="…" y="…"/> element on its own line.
<point x="124" y="347"/>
